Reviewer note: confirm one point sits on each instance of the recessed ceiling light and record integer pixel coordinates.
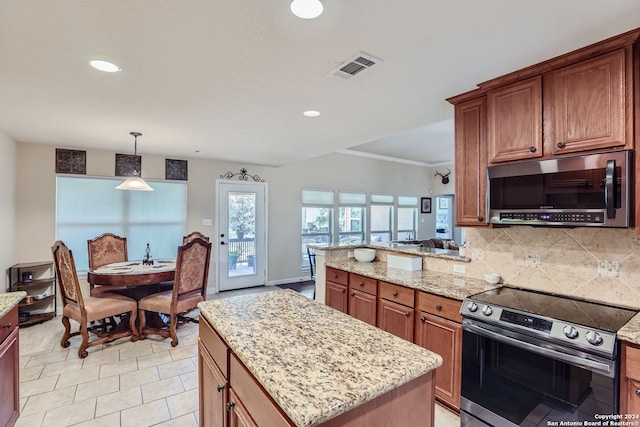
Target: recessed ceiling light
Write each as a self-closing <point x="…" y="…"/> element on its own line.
<point x="105" y="66"/>
<point x="311" y="113"/>
<point x="306" y="9"/>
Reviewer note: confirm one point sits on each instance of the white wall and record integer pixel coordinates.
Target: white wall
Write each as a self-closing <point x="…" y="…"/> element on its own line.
<point x="8" y="153"/>
<point x="35" y="202"/>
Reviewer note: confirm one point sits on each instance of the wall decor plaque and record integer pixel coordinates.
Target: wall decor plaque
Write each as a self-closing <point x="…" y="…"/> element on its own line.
<point x="176" y="169"/>
<point x="71" y="161"/>
<point x="128" y="165"/>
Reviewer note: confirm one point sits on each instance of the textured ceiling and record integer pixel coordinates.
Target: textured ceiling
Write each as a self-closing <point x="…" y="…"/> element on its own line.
<point x="229" y="80"/>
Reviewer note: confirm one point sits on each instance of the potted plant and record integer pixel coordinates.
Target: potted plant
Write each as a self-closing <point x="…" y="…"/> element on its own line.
<point x="233" y="259"/>
<point x="242" y="217"/>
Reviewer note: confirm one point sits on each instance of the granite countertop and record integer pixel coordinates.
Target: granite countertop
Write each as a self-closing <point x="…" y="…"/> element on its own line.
<point x="397" y="247"/>
<point x="631" y="331"/>
<point x="314" y="361"/>
<point x="9" y="300"/>
<point x="447" y="285"/>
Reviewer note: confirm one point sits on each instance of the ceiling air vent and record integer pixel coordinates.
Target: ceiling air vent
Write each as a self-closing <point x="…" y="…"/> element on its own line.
<point x="353" y="66"/>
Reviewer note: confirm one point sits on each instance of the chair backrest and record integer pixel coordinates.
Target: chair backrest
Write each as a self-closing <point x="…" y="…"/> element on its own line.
<point x="312" y="263"/>
<point x="192" y="269"/>
<point x="67" y="275"/>
<point x="106" y="249"/>
<point x="196" y="234"/>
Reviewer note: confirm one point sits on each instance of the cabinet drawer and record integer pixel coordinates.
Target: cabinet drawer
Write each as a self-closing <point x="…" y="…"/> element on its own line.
<point x="215" y="346"/>
<point x="397" y="293"/>
<point x="11" y="318"/>
<point x="440" y="306"/>
<point x="363" y="283"/>
<point x="257" y="402"/>
<point x="632" y="362"/>
<point x="337" y="276"/>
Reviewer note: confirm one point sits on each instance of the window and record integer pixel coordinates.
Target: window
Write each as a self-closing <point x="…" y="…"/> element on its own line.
<point x="381" y="218"/>
<point x="89" y="206"/>
<point x="351" y="217"/>
<point x="317" y="219"/>
<point x="407" y="217"/>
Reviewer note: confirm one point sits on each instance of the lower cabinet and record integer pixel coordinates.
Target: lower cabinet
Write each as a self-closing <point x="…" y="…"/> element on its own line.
<point x="213" y="404"/>
<point x="9" y="368"/>
<point x="395" y="310"/>
<point x="238" y="415"/>
<point x="363" y="300"/>
<point x="630" y="380"/>
<point x="336" y="289"/>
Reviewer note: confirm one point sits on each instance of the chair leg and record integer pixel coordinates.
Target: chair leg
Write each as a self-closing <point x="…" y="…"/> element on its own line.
<point x="143" y="323"/>
<point x="82" y="351"/>
<point x="64" y="341"/>
<point x="132" y="325"/>
<point x="172" y="330"/>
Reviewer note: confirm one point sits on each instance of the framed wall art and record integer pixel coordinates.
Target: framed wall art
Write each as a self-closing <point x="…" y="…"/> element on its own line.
<point x="425" y="205"/>
<point x="128" y="165"/>
<point x="71" y="161"/>
<point x="175" y="169"/>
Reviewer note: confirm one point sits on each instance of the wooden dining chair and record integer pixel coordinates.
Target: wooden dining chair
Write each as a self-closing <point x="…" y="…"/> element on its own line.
<point x="87" y="309"/>
<point x="196" y="234"/>
<point x="189" y="289"/>
<point x="105" y="249"/>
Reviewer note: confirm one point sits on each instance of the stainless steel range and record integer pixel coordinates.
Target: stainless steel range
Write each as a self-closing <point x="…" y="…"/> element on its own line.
<point x="532" y="357"/>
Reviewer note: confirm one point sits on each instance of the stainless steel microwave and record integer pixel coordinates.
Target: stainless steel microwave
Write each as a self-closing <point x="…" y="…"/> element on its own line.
<point x="583" y="191"/>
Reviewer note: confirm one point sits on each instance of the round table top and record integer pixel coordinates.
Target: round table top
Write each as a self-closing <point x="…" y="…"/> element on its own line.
<point x="133" y="273"/>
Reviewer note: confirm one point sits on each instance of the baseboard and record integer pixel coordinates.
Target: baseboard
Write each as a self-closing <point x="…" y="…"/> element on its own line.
<point x="291" y="280"/>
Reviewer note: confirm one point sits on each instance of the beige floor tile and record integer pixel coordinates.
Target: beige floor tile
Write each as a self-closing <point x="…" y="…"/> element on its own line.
<point x="79" y="376"/>
<point x="184" y="352"/>
<point x="188" y="420"/>
<point x="33" y="420"/>
<point x="117" y="368"/>
<point x="110" y="420"/>
<point x="172" y="369"/>
<point x="30" y="374"/>
<point x="154" y="359"/>
<point x="445" y="418"/>
<point x="44" y="358"/>
<point x="101" y="357"/>
<point x="118" y="401"/>
<point x="97" y="388"/>
<point x="145" y="415"/>
<point x="140" y="348"/>
<point x="183" y="403"/>
<point x="163" y="388"/>
<point x="56" y="368"/>
<point x="70" y="414"/>
<point x="42" y="385"/>
<point x="52" y="399"/>
<point x="139" y="377"/>
<point x="189" y="380"/>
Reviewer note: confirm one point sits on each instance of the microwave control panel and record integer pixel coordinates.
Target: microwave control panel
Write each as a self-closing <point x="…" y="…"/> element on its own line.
<point x="560" y="217"/>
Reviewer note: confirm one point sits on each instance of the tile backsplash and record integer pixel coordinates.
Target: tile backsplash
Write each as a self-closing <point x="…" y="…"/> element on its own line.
<point x="600" y="264"/>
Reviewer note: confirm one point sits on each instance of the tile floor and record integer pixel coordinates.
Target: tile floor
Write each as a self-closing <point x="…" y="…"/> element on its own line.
<point x="123" y="383"/>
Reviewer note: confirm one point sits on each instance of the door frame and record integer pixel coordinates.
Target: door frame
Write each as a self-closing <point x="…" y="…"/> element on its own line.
<point x="222" y="261"/>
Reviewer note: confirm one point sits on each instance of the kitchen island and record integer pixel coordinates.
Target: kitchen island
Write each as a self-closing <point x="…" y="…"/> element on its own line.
<point x="9" y="357"/>
<point x="283" y="359"/>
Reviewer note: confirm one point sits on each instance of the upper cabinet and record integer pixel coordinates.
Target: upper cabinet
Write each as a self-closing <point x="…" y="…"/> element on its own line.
<point x="589" y="105"/>
<point x="514" y="114"/>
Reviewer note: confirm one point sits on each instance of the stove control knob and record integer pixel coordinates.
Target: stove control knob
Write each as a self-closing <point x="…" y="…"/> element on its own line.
<point x="570" y="332"/>
<point x="486" y="310"/>
<point x="472" y="307"/>
<point x="594" y="338"/>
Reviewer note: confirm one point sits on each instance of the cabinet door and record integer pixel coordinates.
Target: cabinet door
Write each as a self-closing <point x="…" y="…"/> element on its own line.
<point x="213" y="391"/>
<point x="471" y="163"/>
<point x="238" y="414"/>
<point x="443" y="337"/>
<point x="337" y="296"/>
<point x="362" y="306"/>
<point x="9" y="386"/>
<point x="514" y="114"/>
<point x="589" y="104"/>
<point x="396" y="319"/>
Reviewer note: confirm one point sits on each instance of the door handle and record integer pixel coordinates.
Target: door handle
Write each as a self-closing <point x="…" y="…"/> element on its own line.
<point x="610" y="189"/>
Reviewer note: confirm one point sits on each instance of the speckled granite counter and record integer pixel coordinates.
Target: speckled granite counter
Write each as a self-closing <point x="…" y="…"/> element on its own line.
<point x="315" y="362"/>
<point x="398" y="247"/>
<point x="9" y="300"/>
<point x="447" y="285"/>
<point x="631" y="331"/>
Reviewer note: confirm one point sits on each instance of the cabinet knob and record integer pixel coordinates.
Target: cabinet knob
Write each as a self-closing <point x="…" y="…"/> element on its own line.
<point x="8" y="325"/>
<point x="361" y="283"/>
<point x="230" y="405"/>
<point x="480" y="218"/>
<point x="561" y="144"/>
<point x="352" y="294"/>
<point x="395" y="294"/>
<point x="220" y="388"/>
<point x="343" y="291"/>
<point x="532" y="149"/>
<point x="638" y="392"/>
<point x="335" y="276"/>
<point x="422" y="319"/>
<point x="407" y="314"/>
<point x="438" y="307"/>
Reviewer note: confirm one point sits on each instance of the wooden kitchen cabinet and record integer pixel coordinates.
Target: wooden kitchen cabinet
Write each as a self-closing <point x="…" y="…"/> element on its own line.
<point x="439" y="329"/>
<point x="238" y="415"/>
<point x="213" y="403"/>
<point x="9" y="368"/>
<point x="471" y="161"/>
<point x="590" y="104"/>
<point x="514" y="115"/>
<point x="336" y="289"/>
<point x="630" y="379"/>
<point x="363" y="302"/>
<point x="395" y="310"/>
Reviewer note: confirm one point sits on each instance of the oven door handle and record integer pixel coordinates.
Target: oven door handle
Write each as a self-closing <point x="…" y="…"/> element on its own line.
<point x="603" y="368"/>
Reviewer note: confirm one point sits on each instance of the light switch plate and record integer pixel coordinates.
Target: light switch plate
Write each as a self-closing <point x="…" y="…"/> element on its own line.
<point x="459" y="268"/>
<point x="207" y="221"/>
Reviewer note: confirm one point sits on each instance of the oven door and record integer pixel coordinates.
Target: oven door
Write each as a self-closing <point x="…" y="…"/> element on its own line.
<point x="512" y="379"/>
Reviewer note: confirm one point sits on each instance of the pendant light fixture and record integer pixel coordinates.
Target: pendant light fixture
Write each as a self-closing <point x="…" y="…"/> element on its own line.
<point x="135" y="182"/>
<point x="306" y="9"/>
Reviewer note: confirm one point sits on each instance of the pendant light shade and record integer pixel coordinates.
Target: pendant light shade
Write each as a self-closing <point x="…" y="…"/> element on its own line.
<point x="306" y="9"/>
<point x="135" y="182"/>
